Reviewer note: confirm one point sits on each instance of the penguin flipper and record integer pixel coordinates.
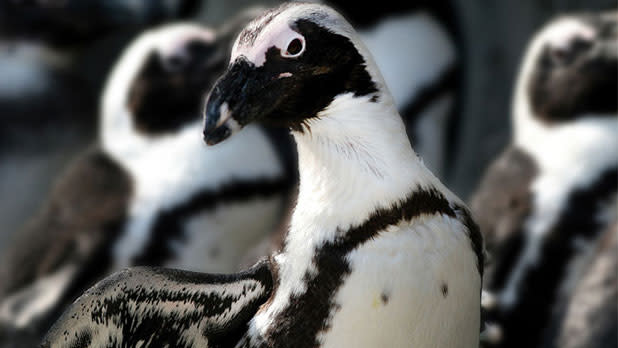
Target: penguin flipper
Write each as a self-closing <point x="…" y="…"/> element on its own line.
<point x="159" y="307"/>
<point x="589" y="317"/>
<point x="61" y="251"/>
<point x="90" y="197"/>
<point x="502" y="202"/>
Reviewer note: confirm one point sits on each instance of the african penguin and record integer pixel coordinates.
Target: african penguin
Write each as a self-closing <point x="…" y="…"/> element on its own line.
<point x="417" y="47"/>
<point x="543" y="202"/>
<point x="150" y="193"/>
<point x="379" y="253"/>
<point x="422" y="73"/>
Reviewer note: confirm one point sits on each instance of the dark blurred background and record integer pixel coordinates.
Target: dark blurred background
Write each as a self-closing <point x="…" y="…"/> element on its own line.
<point x="55" y="55"/>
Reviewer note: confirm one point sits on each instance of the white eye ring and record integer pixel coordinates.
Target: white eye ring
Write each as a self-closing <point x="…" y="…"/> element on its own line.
<point x="292" y="45"/>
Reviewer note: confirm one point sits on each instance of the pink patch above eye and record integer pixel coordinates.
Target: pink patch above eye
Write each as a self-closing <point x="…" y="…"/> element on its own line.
<point x="277" y="35"/>
<point x="285" y="74"/>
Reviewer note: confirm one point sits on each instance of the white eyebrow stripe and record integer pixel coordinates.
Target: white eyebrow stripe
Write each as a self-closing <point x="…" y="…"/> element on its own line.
<point x="272" y="36"/>
<point x="271" y="29"/>
<point x="560" y="35"/>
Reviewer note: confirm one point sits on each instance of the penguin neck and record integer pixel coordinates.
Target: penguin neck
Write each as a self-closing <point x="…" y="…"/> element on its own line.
<point x="354" y="158"/>
<point x="582" y="142"/>
<point x="170" y="169"/>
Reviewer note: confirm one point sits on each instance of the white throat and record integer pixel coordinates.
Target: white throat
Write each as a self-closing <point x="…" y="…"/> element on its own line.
<point x="355" y="158"/>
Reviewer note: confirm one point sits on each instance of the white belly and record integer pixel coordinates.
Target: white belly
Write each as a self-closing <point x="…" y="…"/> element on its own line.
<point x="410" y="288"/>
<point x="217" y="241"/>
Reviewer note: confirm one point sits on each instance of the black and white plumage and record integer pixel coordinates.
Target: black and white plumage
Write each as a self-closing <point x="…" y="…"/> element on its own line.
<point x="422" y="73"/>
<point x="422" y="70"/>
<point x="589" y="316"/>
<point x="379" y="252"/>
<point x="544" y="201"/>
<point x="159" y="307"/>
<point x="150" y="193"/>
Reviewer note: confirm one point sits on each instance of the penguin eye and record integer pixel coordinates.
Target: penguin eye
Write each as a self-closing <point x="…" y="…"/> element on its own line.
<point x="558" y="56"/>
<point x="295" y="48"/>
<point x="567" y="55"/>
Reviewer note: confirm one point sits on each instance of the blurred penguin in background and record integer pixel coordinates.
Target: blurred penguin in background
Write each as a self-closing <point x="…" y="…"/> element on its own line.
<point x="150" y="192"/>
<point x="417" y="47"/>
<point x="54" y="57"/>
<point x="544" y="202"/>
<point x="587" y="317"/>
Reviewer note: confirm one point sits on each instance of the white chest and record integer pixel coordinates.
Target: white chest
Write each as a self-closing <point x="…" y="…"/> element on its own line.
<point x="410" y="287"/>
<point x="170" y="171"/>
<point x="381" y="286"/>
<point x="216" y="241"/>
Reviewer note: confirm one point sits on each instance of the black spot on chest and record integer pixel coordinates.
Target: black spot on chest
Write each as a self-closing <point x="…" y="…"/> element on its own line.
<point x="385" y="297"/>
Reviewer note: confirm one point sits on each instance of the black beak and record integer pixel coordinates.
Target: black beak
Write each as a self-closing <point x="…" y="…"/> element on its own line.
<point x="242" y="95"/>
<point x="222" y="103"/>
<point x="217" y="120"/>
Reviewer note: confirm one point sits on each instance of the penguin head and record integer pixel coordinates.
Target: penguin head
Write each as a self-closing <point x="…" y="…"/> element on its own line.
<point x="164" y="95"/>
<point x="286" y="66"/>
<point x="153" y="89"/>
<point x="571" y="69"/>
